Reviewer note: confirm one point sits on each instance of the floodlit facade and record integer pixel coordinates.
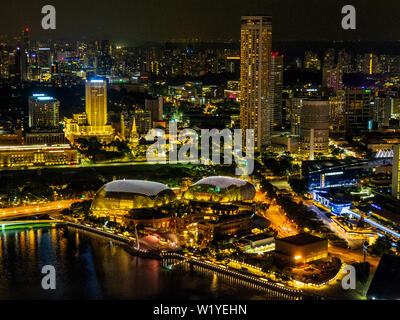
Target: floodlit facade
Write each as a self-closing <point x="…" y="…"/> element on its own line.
<point x="302" y="248"/>
<point x="220" y="189"/>
<point x="31" y="156"/>
<point x="118" y="198"/>
<point x="96" y="102"/>
<point x="255" y="112"/>
<point x="93" y="123"/>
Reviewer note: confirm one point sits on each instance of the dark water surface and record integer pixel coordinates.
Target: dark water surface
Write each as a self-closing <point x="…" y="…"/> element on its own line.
<point x="90" y="266"/>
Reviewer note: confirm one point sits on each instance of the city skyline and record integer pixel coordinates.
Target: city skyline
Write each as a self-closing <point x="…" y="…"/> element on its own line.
<point x="199" y="170"/>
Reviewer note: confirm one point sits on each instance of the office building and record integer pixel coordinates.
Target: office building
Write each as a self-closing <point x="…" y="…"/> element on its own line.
<point x="143" y="121"/>
<point x="43" y="112"/>
<point x="93" y="123"/>
<point x="323" y="174"/>
<point x="314" y="127"/>
<point x="96" y="102"/>
<point x="358" y="109"/>
<point x="256" y="41"/>
<point x="155" y="106"/>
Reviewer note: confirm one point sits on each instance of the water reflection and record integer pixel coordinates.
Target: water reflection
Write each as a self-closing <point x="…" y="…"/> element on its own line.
<point x="92" y="267"/>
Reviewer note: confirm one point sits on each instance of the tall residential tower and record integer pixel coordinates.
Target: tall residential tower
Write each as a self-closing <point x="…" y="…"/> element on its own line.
<point x="255" y="112"/>
<point x="395" y="172"/>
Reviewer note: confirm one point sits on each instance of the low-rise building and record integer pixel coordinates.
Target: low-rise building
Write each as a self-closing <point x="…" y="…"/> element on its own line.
<point x="301" y="248"/>
<point x="225" y="225"/>
<point x="42" y="155"/>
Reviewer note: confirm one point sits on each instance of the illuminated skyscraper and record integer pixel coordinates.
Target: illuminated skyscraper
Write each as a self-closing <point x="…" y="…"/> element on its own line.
<point x="94" y="122"/>
<point x="255" y="112"/>
<point x="395" y="172"/>
<point x="43" y="112"/>
<point x="276" y="83"/>
<point x="96" y="102"/>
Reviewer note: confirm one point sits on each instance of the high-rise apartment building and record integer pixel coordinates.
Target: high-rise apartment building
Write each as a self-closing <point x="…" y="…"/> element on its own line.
<point x="395" y="172"/>
<point x="255" y="112"/>
<point x="333" y="78"/>
<point x="295" y="113"/>
<point x="276" y="83"/>
<point x="337" y="114"/>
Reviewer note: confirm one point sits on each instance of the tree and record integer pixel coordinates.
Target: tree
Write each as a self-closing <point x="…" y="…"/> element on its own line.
<point x="94" y="147"/>
<point x="362" y="271"/>
<point x="267" y="264"/>
<point x="381" y="246"/>
<point x="298" y="185"/>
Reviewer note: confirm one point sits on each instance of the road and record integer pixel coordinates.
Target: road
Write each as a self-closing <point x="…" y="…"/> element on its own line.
<point x="352" y="256"/>
<point x="279" y="221"/>
<point x="42" y="208"/>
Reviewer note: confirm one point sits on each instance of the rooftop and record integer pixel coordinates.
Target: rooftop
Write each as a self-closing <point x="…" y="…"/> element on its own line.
<point x="386" y="281"/>
<point x="319" y="165"/>
<point x="257" y="237"/>
<point x="302" y="239"/>
<point x="147" y="188"/>
<point x="222" y="182"/>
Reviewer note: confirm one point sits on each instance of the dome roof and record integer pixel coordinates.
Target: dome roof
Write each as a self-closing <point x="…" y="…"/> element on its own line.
<point x="220" y="189"/>
<point x="127" y="195"/>
<point x="222" y="182"/>
<point x="147" y="188"/>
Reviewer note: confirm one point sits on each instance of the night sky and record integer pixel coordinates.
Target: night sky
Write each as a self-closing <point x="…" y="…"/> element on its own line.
<point x="131" y="22"/>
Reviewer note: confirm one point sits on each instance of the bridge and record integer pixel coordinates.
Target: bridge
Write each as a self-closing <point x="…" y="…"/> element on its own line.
<point x="36" y="209"/>
<point x="374" y="224"/>
<point x="23" y="224"/>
